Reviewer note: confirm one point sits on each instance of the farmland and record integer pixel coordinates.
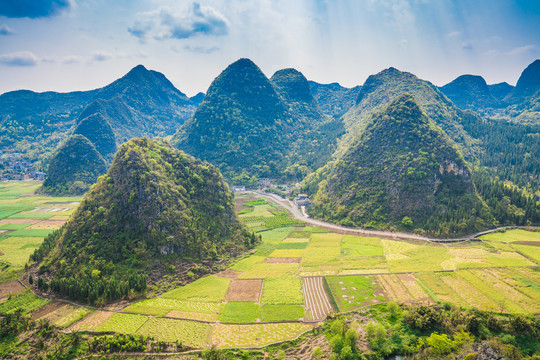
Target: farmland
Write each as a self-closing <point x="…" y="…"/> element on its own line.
<point x="25" y="221"/>
<point x="295" y="275"/>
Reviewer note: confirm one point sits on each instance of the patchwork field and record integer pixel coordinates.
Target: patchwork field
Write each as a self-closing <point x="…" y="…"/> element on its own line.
<point x="25" y="219"/>
<point x="295" y="275"/>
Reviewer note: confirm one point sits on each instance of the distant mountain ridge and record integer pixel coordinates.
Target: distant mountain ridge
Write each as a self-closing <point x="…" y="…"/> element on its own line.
<point x="470" y="91"/>
<point x="249" y="125"/>
<point x="333" y="99"/>
<point x="143" y="102"/>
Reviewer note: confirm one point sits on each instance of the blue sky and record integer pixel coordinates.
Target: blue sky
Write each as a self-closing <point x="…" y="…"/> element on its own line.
<point x="66" y="45"/>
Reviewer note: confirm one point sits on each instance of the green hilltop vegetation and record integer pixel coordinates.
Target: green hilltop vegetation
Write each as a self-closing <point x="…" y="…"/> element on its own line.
<point x="248" y="125"/>
<point x="141" y="103"/>
<point x="97" y="129"/>
<point x="380" y="89"/>
<point x="527" y="85"/>
<point x="500" y="90"/>
<point x="334" y="100"/>
<point x="401" y="172"/>
<point x="154" y="203"/>
<point x="470" y="91"/>
<point x="75" y="167"/>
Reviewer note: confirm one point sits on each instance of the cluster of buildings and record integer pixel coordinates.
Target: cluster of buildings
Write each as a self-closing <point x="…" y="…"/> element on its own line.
<point x="13" y="167"/>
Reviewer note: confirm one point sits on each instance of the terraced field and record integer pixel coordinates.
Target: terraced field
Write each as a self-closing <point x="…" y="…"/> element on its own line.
<point x="273" y="293"/>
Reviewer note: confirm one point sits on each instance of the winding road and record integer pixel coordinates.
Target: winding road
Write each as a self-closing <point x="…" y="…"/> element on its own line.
<point x="297" y="214"/>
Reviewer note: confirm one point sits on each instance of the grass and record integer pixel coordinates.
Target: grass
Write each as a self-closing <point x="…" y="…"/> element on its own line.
<point x="292" y="245"/>
<point x="30" y="233"/>
<point x="300" y="234"/>
<point x="72" y="317"/>
<point x="485" y="286"/>
<point x="190" y="333"/>
<point x="247" y="263"/>
<point x="532" y="252"/>
<point x="295" y="253"/>
<point x="441" y="290"/>
<point x="29" y="215"/>
<point x="162" y="306"/>
<point x="123" y="323"/>
<point x="513" y="235"/>
<point x="240" y="312"/>
<point x="282" y="290"/>
<point x="351" y="292"/>
<point x="263" y="271"/>
<point x="13" y="226"/>
<point x="419" y="258"/>
<point x="281" y="312"/>
<point x="27" y="302"/>
<point x="206" y="289"/>
<point x="17" y="250"/>
<point x="226" y="336"/>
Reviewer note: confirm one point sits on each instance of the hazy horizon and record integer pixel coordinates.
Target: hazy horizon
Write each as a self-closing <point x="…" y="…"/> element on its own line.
<point x="68" y="45"/>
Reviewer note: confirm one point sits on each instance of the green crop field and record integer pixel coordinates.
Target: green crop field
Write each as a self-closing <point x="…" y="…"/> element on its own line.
<point x="240" y="312"/>
<point x="247" y="263"/>
<point x="206" y="289"/>
<point x="13" y="226"/>
<point x="17" y="250"/>
<point x="30" y="233"/>
<point x="226" y="336"/>
<point x="123" y="323"/>
<point x="72" y="317"/>
<point x="351" y="292"/>
<point x="162" y="306"/>
<point x="27" y="302"/>
<point x="262" y="271"/>
<point x="530" y="251"/>
<point x="190" y="333"/>
<point x="513" y="235"/>
<point x="281" y="312"/>
<point x="282" y="290"/>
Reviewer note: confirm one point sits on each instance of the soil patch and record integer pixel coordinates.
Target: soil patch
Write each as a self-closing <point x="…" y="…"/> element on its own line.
<point x="532" y="243"/>
<point x="92" y="321"/>
<point x="239" y="203"/>
<point x="192" y="315"/>
<point x="244" y="290"/>
<point x="48" y="224"/>
<point x="47" y="309"/>
<point x="282" y="260"/>
<point x="18" y="221"/>
<point x="229" y="274"/>
<point x="10" y="287"/>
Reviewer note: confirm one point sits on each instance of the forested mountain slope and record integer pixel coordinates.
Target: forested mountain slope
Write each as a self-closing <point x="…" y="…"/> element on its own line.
<point x="248" y="125"/>
<point x="35" y="123"/>
<point x="403" y="172"/>
<point x="74" y="167"/>
<point x="154" y="202"/>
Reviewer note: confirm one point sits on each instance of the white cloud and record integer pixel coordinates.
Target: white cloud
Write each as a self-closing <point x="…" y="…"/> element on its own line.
<point x="21" y="58"/>
<point x="166" y="23"/>
<point x="101" y="56"/>
<point x="523" y="50"/>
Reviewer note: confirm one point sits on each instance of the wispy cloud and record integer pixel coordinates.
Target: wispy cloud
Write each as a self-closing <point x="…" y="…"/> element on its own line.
<point x="33" y="8"/>
<point x="523" y="50"/>
<point x="21" y="58"/>
<point x="199" y="49"/>
<point x="101" y="56"/>
<point x="165" y="23"/>
<point x="6" y="30"/>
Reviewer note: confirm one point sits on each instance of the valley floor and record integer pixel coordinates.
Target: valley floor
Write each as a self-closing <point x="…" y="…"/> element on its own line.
<point x="294" y="278"/>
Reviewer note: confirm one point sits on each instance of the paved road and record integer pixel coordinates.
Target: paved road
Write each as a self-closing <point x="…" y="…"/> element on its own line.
<point x="289" y="206"/>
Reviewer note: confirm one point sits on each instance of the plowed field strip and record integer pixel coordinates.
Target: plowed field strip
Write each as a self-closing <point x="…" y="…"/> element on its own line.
<point x="316" y="298"/>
